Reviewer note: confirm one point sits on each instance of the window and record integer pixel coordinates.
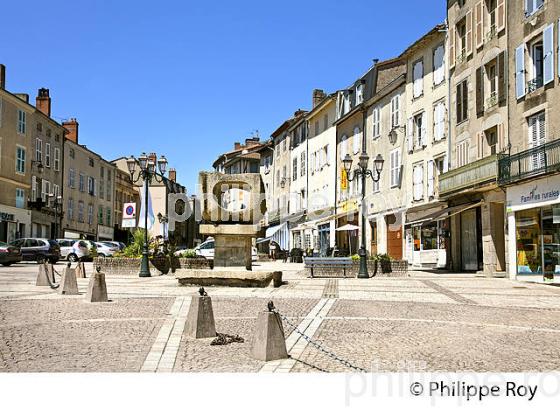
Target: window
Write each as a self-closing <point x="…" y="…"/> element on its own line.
<point x="48" y="155"/>
<point x="91" y="163"/>
<point x="359" y="93"/>
<point x="532" y="6"/>
<point x="21" y="122"/>
<point x="45" y="189"/>
<point x="356" y="140"/>
<point x="101" y="189"/>
<point x="376" y="123"/>
<point x="343" y="147"/>
<point x="102" y="172"/>
<point x="418" y="78"/>
<point x="439" y="65"/>
<point x="540" y="70"/>
<point x="462" y="39"/>
<point x="108" y="217"/>
<point x="420" y="130"/>
<point x="326" y="121"/>
<point x="325" y="156"/>
<point x="294" y="173"/>
<point x="70" y="209"/>
<point x="303" y="163"/>
<point x="537" y="59"/>
<point x="20" y="160"/>
<point x="80" y="211"/>
<point x="38" y="150"/>
<point x="395" y="111"/>
<point x="537" y="137"/>
<point x="439" y="121"/>
<point x="20" y="198"/>
<point x="431" y="178"/>
<point x="462" y="101"/>
<point x="72" y="153"/>
<point x="462" y="153"/>
<point x="418" y="181"/>
<point x="90" y="214"/>
<point x="278" y="178"/>
<point x="441" y="164"/>
<point x="100" y="215"/>
<point x="57" y="159"/>
<point x="395" y="167"/>
<point x="82" y="185"/>
<point x="72" y="178"/>
<point x="284" y="142"/>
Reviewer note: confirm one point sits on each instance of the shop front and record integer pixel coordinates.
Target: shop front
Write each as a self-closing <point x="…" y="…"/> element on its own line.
<point x="427" y="237"/>
<point x="533" y="211"/>
<point x="14" y="223"/>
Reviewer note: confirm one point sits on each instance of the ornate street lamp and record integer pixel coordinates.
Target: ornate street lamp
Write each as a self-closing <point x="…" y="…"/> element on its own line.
<point x="147" y="173"/>
<point x="363" y="172"/>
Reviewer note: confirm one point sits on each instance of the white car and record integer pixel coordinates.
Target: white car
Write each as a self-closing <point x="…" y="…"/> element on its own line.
<point x="206" y="250"/>
<point x="105" y="249"/>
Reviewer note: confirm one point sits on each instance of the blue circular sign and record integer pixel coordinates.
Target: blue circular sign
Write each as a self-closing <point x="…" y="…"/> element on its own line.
<point x="129" y="210"/>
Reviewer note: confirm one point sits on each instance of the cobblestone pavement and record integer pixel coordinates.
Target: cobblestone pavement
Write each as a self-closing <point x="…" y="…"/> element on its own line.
<point x="425" y="322"/>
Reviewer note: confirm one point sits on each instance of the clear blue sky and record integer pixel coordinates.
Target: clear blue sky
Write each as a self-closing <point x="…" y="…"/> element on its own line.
<point x="187" y="78"/>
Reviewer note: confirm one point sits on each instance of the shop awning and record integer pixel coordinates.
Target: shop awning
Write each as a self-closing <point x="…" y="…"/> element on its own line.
<point x="442" y="214"/>
<point x="273" y="229"/>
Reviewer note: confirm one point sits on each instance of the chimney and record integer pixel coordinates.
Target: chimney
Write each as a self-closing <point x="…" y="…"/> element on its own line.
<point x="2" y="77"/>
<point x="152" y="157"/>
<point x="172" y="174"/>
<point x="318" y="96"/>
<point x="43" y="101"/>
<point x="72" y="129"/>
<point x="251" y="142"/>
<point x="236" y="146"/>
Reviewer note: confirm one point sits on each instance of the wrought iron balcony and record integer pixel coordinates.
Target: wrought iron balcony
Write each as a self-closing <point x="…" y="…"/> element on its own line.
<point x="492" y="100"/>
<point x="529" y="163"/>
<point x="534" y="85"/>
<point x="473" y="175"/>
<point x="491" y="34"/>
<point x="462" y="56"/>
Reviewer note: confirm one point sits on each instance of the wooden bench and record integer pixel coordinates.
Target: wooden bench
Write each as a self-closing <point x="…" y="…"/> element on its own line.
<point x="327" y="265"/>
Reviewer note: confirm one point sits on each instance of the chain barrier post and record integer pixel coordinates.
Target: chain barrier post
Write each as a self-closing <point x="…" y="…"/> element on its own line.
<point x="68" y="282"/>
<point x="42" y="276"/>
<point x="97" y="288"/>
<point x="200" y="319"/>
<point x="269" y="342"/>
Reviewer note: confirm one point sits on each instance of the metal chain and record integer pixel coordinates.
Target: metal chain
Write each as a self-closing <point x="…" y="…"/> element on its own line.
<point x="315" y="344"/>
<point x="225" y="339"/>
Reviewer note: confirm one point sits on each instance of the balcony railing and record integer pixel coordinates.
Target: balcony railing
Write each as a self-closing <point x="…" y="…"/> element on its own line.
<point x="473" y="175"/>
<point x="462" y="56"/>
<point x="492" y="100"/>
<point x="529" y="163"/>
<point x="491" y="34"/>
<point x="534" y="85"/>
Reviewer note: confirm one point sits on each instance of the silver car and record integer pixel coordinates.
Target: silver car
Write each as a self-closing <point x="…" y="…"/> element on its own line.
<point x="66" y="248"/>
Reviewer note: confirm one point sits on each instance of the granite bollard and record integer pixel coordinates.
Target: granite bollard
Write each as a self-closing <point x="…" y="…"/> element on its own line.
<point x="68" y="282"/>
<point x="97" y="288"/>
<point x="200" y="319"/>
<point x="45" y="276"/>
<point x="269" y="342"/>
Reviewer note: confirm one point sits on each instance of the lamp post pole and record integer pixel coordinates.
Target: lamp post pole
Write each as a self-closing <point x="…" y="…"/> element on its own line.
<point x="363" y="172"/>
<point x="147" y="173"/>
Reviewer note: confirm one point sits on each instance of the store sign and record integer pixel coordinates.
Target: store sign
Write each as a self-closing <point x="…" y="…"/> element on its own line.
<point x="536" y="193"/>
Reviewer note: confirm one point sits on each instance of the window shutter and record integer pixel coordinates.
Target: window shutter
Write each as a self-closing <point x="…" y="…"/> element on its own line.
<point x="439" y="66"/>
<point x="430" y="179"/>
<point x="548" y="49"/>
<point x="520" y="71"/>
<point x="480" y="145"/>
<point x="356" y="140"/>
<point x="424" y="130"/>
<point x="445" y="164"/>
<point x="501" y="138"/>
<point x="33" y="188"/>
<point x="479" y="91"/>
<point x="479" y="24"/>
<point x="343" y="151"/>
<point x="501" y="15"/>
<point x="502" y="79"/>
<point x="410" y="134"/>
<point x="451" y="47"/>
<point x="469" y="32"/>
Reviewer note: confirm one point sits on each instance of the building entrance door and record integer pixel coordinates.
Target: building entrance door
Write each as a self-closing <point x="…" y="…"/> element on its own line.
<point x="394" y="238"/>
<point x="469" y="246"/>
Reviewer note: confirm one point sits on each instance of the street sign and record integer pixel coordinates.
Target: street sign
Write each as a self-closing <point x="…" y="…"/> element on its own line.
<point x="129" y="210"/>
<point x="129" y="223"/>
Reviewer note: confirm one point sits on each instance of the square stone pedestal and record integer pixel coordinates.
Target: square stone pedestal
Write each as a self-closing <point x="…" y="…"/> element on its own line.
<point x="232" y="244"/>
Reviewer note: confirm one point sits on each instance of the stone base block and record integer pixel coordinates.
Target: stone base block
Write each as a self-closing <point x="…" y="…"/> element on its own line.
<point x="45" y="276"/>
<point x="97" y="288"/>
<point x="68" y="283"/>
<point x="200" y="319"/>
<point x="81" y="270"/>
<point x="269" y="342"/>
<point x="224" y="277"/>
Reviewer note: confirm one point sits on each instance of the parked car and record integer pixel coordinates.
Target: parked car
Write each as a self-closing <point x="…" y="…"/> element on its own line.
<point x="206" y="250"/>
<point x="106" y="250"/>
<point x="38" y="249"/>
<point x="120" y="245"/>
<point x="66" y="247"/>
<point x="9" y="254"/>
<point x="83" y="250"/>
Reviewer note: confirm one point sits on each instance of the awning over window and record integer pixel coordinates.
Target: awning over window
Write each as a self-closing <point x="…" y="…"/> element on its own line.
<point x="442" y="214"/>
<point x="278" y="234"/>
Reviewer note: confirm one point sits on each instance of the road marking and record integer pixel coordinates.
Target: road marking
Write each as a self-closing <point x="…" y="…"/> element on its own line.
<point x="295" y="343"/>
<point x="450" y="294"/>
<point x="163" y="353"/>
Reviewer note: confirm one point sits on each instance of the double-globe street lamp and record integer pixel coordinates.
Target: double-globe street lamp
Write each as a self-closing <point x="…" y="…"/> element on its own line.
<point x="363" y="172"/>
<point x="147" y="173"/>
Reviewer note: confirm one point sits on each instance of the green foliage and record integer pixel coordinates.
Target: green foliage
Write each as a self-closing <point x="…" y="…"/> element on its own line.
<point x="355" y="257"/>
<point x="188" y="253"/>
<point x="134" y="249"/>
<point x="381" y="257"/>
